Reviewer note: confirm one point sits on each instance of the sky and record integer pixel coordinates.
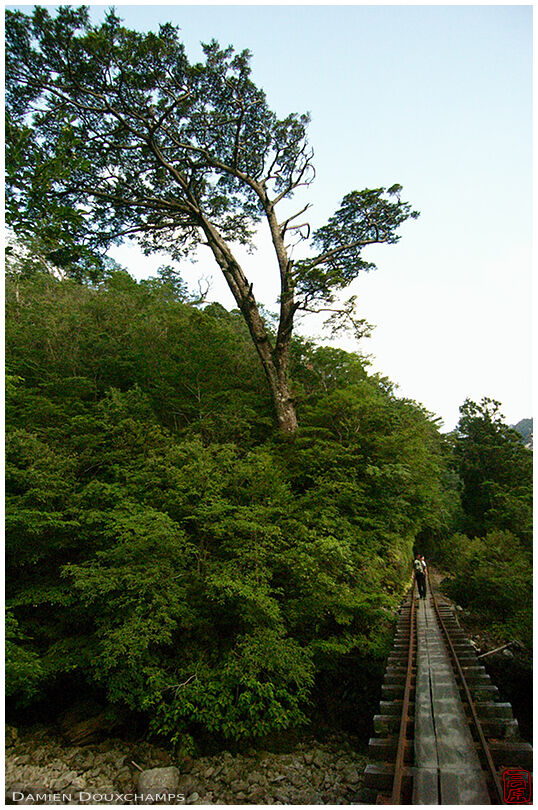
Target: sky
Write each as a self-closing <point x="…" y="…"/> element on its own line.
<point x="438" y="99"/>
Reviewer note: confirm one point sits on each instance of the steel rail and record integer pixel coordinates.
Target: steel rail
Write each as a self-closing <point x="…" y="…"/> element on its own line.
<point x="400" y="751"/>
<point x="474" y="715"/>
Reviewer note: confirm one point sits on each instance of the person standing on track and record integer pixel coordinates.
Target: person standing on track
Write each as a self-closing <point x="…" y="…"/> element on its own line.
<point x="419" y="568"/>
<point x="425" y="567"/>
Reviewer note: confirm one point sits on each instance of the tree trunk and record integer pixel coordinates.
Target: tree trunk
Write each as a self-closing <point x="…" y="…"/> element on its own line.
<point x="275" y="364"/>
<point x="282" y="399"/>
<point x="275" y="361"/>
<point x="287" y="418"/>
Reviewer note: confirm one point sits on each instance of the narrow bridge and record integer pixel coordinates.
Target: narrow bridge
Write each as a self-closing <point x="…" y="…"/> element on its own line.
<point x="443" y="735"/>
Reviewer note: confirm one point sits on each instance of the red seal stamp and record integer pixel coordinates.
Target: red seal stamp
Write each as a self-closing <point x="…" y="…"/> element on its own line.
<point x="517" y="786"/>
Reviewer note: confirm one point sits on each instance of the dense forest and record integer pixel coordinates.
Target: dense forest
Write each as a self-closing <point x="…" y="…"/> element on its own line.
<point x="210" y="520"/>
<point x="168" y="550"/>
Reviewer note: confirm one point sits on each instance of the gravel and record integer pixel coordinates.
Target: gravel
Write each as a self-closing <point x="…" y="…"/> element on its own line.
<point x="39" y="763"/>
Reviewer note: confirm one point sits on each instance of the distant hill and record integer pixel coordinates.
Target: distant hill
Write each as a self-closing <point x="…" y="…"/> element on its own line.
<point x="525" y="428"/>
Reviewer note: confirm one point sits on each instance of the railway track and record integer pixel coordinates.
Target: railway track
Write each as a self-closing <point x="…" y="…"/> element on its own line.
<point x="443" y="735"/>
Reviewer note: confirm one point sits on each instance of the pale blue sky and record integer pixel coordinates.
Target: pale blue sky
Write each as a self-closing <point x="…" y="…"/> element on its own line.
<point x="437" y="98"/>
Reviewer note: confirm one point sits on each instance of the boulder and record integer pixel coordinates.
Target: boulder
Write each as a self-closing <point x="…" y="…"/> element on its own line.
<point x="63" y="781"/>
<point x="318" y="759"/>
<point x="13" y="792"/>
<point x="124" y="779"/>
<point x="256" y="795"/>
<point x="155" y="782"/>
<point x="186" y="785"/>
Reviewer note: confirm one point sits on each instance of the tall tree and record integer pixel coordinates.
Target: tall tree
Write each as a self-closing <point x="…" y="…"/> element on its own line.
<point x="496" y="472"/>
<point x="114" y="134"/>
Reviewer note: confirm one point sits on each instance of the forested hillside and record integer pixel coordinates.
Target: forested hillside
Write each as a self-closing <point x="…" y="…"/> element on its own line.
<point x="210" y="520"/>
<point x="164" y="545"/>
<point x="168" y="550"/>
<point x="490" y="559"/>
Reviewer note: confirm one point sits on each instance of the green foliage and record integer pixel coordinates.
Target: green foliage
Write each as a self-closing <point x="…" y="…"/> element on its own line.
<point x="23" y="667"/>
<point x="145" y="143"/>
<point x="364" y="217"/>
<point x="63" y="336"/>
<point x="261" y="685"/>
<point x="164" y="545"/>
<point x="492" y="576"/>
<point x="490" y="559"/>
<point x="113" y="133"/>
<point x="496" y="472"/>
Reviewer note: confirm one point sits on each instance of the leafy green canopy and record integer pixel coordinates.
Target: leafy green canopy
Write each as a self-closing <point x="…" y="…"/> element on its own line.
<point x="113" y="133"/>
<point x="103" y="105"/>
<point x="162" y="543"/>
<point x="490" y="559"/>
<point x="496" y="472"/>
<point x="492" y="577"/>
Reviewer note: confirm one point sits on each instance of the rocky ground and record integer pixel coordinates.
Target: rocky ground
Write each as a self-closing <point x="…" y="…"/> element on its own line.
<point x="41" y="768"/>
